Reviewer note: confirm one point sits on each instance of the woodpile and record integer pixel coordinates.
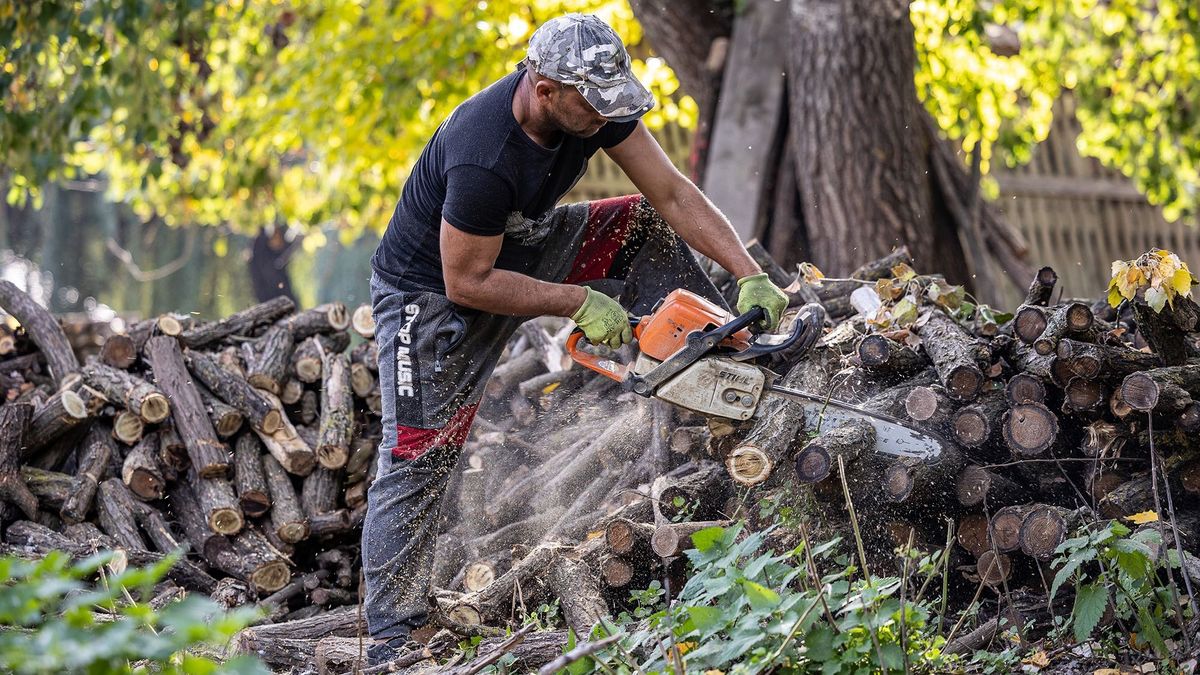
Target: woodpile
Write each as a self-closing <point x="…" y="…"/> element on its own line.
<point x="251" y="440"/>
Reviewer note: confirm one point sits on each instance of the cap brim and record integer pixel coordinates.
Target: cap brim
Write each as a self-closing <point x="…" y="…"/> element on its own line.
<point x="624" y="102"/>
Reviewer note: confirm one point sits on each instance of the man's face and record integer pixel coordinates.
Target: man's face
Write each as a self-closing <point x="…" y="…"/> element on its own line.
<point x="571" y="112"/>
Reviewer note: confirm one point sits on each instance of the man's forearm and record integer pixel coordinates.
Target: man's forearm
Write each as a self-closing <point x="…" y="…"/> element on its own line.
<point x="514" y="294"/>
<point x="702" y="226"/>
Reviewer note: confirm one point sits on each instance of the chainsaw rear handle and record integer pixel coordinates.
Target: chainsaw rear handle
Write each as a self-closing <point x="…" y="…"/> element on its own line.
<point x="606" y="367"/>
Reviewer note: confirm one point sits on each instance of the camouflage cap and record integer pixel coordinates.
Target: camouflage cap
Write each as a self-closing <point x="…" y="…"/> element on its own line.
<point x="582" y="50"/>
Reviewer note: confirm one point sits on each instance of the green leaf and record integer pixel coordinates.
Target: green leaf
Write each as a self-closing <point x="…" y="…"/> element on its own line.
<point x="1149" y="630"/>
<point x="707" y="538"/>
<point x="703" y="620"/>
<point x="1073" y="562"/>
<point x="1090" y="601"/>
<point x="761" y="598"/>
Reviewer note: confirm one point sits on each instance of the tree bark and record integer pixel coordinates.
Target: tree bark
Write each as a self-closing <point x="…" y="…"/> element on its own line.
<point x="248" y="474"/>
<point x="43" y="329"/>
<point x="14" y="420"/>
<point x="207" y="454"/>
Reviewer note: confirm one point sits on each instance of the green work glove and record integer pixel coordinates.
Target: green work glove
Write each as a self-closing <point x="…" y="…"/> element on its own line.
<point x="603" y="320"/>
<point x="758" y="291"/>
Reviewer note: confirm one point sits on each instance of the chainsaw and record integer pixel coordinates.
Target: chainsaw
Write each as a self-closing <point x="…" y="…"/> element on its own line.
<point x="698" y="356"/>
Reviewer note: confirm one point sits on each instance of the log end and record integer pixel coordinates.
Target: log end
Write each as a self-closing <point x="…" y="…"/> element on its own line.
<point x="478" y="576"/>
<point x="813" y="465"/>
<point x="1139" y="391"/>
<point x="993" y="568"/>
<point x="921" y="404"/>
<point x="1030" y="429"/>
<point x="225" y="520"/>
<point x="271" y="577"/>
<point x="1005" y="528"/>
<point x="293" y="532"/>
<point x="332" y="457"/>
<point x="972" y="485"/>
<point x="897" y="482"/>
<point x="155" y="408"/>
<point x="972" y="534"/>
<point x="971" y="427"/>
<point x="1043" y="529"/>
<point x="964" y="382"/>
<point x="363" y="321"/>
<point x="749" y="465"/>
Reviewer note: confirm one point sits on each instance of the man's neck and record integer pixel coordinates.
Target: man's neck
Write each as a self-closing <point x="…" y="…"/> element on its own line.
<point x="533" y="120"/>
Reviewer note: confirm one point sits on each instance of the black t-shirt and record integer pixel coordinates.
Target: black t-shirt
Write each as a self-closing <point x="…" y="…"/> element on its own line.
<point x="485" y="176"/>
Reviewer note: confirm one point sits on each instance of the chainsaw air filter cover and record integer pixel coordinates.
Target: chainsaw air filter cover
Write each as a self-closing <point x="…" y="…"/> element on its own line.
<point x="682" y="312"/>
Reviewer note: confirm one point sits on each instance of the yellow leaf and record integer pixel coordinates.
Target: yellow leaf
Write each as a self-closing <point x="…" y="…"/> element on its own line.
<point x="811" y="274"/>
<point x="1114" y="296"/>
<point x="550" y="387"/>
<point x="1143" y="518"/>
<point x="1181" y="281"/>
<point x="1038" y="659"/>
<point x="685" y="647"/>
<point x="903" y="272"/>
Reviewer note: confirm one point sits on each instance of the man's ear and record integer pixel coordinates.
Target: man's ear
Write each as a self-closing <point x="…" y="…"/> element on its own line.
<point x="545" y="90"/>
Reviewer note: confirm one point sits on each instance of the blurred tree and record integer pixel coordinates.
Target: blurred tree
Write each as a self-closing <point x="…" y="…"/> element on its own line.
<point x="249" y="112"/>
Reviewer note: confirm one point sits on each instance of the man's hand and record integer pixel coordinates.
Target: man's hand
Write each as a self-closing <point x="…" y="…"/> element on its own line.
<point x="603" y="320"/>
<point x="758" y="291"/>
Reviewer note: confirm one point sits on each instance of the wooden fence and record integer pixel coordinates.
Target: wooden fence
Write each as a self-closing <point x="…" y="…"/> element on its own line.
<point x="1077" y="215"/>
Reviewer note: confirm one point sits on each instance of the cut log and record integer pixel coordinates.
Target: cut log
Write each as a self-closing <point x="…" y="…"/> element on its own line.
<point x="141" y="471"/>
<point x="1005" y="527"/>
<point x="320" y="491"/>
<point x="671" y="539"/>
<point x="253" y="495"/>
<point x="239" y="323"/>
<point x="1073" y="318"/>
<point x="1083" y="396"/>
<point x="978" y="425"/>
<point x="493" y="602"/>
<point x="94" y="457"/>
<point x="692" y="441"/>
<point x="63" y="412"/>
<point x="1030" y="429"/>
<point x="1029" y="323"/>
<point x="818" y="457"/>
<point x="883" y="356"/>
<point x="43" y="329"/>
<point x="172" y="451"/>
<point x="291" y="392"/>
<point x="1025" y="388"/>
<point x="972" y="533"/>
<point x="237" y="392"/>
<point x="272" y="355"/>
<point x="362" y="380"/>
<point x="1165" y="391"/>
<point x="1107" y="361"/>
<point x="137" y="395"/>
<point x="508" y="376"/>
<point x="697" y="490"/>
<point x="335" y="522"/>
<point x="207" y="454"/>
<point x="128" y="427"/>
<point x="930" y="405"/>
<point x="337" y="423"/>
<point x="42" y="540"/>
<point x="306" y="361"/>
<point x="579" y="595"/>
<point x="953" y="352"/>
<point x="257" y="562"/>
<point x="1044" y="528"/>
<point x="623" y="537"/>
<point x="1042" y="287"/>
<point x="978" y="486"/>
<point x="286" y="445"/>
<point x="1166" y="332"/>
<point x="226" y="419"/>
<point x="616" y="572"/>
<point x="363" y="321"/>
<point x="993" y="568"/>
<point x="51" y="488"/>
<point x="118" y="351"/>
<point x="777" y="434"/>
<point x="908" y="480"/>
<point x="14" y="421"/>
<point x="218" y="504"/>
<point x="331" y="317"/>
<point x="116" y="510"/>
<point x="287" y="518"/>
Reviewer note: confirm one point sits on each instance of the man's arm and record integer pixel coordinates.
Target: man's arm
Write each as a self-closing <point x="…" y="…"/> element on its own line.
<point x="472" y="281"/>
<point x="681" y="203"/>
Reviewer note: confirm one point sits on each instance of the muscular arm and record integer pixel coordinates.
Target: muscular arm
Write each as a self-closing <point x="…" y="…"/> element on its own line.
<point x="681" y="203"/>
<point x="472" y="281"/>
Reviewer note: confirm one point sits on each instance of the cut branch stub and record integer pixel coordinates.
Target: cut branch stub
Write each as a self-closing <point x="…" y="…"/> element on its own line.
<point x="1072" y="318"/>
<point x="1042" y="287"/>
<point x="138" y="396"/>
<point x="1030" y="429"/>
<point x="1024" y="388"/>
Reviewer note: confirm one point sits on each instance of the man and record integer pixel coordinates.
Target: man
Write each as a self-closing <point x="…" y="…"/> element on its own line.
<point x="476" y="246"/>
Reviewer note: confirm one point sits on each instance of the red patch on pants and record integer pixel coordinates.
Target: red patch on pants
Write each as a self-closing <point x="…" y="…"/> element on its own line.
<point x="609" y="223"/>
<point x="412" y="442"/>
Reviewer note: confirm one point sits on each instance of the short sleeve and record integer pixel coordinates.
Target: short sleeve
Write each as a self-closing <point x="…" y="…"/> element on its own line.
<point x="477" y="200"/>
<point x="613" y="133"/>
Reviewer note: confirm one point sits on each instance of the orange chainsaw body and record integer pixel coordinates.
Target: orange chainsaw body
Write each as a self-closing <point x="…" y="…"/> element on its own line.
<point x="682" y="312"/>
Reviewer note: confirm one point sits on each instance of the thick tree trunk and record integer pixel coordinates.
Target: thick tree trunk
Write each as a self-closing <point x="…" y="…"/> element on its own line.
<point x="858" y="141"/>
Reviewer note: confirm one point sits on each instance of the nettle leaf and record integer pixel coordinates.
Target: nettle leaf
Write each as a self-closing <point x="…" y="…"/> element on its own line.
<point x="1072" y="564"/>
<point x="1149" y="630"/>
<point x="707" y="538"/>
<point x="1132" y="557"/>
<point x="704" y="620"/>
<point x="761" y="598"/>
<point x="1090" y="601"/>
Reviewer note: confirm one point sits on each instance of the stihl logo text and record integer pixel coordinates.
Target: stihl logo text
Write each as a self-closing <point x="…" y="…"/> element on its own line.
<point x="733" y="378"/>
